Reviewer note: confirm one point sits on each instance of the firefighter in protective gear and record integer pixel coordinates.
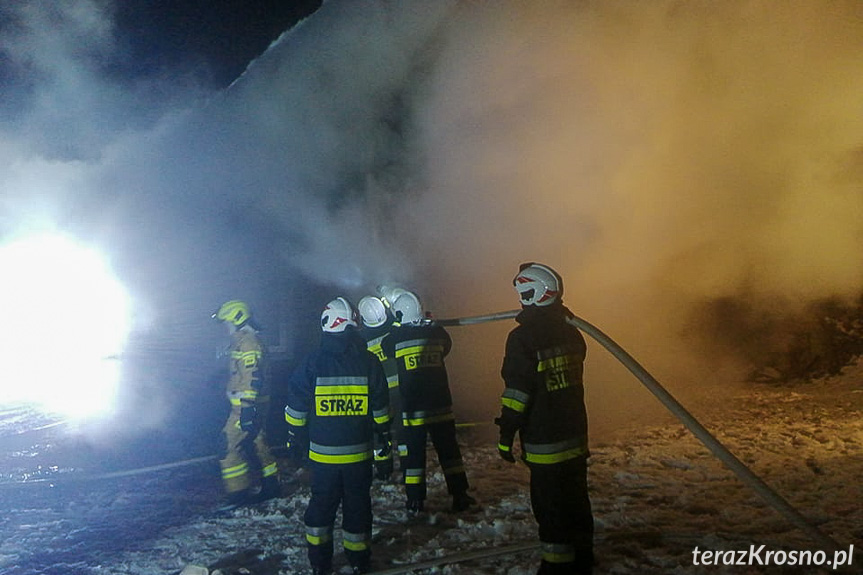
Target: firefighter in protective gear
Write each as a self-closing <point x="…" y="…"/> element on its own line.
<point x="249" y="471"/>
<point x="419" y="346"/>
<point x="543" y="402"/>
<point x="338" y="402"/>
<point x="377" y="322"/>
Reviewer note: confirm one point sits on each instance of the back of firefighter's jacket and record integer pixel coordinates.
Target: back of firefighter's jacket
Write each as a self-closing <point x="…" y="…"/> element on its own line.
<point x="544" y="396"/>
<point x="340" y="395"/>
<point x="419" y="352"/>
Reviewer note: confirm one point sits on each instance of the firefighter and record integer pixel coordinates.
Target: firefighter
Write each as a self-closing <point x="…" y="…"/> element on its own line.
<point x="249" y="471"/>
<point x="543" y="402"/>
<point x="377" y="322"/>
<point x="338" y="405"/>
<point x="419" y="346"/>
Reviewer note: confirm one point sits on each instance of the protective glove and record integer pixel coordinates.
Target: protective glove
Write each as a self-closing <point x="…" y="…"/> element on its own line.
<point x="383" y="443"/>
<point x="247" y="419"/>
<point x="297" y="448"/>
<point x="384" y="469"/>
<point x="504" y="444"/>
<point x="384" y="455"/>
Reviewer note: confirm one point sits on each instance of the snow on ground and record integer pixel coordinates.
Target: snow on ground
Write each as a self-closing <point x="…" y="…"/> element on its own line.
<point x="657" y="494"/>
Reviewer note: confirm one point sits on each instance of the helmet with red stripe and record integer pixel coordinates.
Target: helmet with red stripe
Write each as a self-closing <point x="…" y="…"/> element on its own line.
<point x="538" y="285"/>
<point x="338" y="315"/>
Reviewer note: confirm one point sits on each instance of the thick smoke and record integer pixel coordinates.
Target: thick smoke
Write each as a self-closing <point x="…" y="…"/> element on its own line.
<point x="660" y="155"/>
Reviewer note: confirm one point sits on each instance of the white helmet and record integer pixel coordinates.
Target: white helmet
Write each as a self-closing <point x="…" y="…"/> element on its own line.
<point x="389" y="294"/>
<point x="338" y="315"/>
<point x="407" y="308"/>
<point x="537" y="284"/>
<point x="373" y="311"/>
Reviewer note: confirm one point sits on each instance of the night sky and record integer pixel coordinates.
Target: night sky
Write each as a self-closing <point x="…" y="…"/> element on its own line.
<point x="222" y="36"/>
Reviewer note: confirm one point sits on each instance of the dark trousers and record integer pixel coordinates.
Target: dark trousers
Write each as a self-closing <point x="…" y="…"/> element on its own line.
<point x="349" y="486"/>
<point x="561" y="506"/>
<point x="413" y="463"/>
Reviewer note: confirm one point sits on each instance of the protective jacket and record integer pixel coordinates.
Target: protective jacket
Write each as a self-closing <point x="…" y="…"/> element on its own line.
<point x="419" y="352"/>
<point x="340" y="395"/>
<point x="544" y="395"/>
<point x="544" y="402"/>
<point x="247" y="382"/>
<point x="248" y="394"/>
<point x="374" y="336"/>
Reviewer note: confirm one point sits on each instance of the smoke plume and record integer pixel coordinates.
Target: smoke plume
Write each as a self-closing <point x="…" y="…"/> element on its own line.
<point x="660" y="155"/>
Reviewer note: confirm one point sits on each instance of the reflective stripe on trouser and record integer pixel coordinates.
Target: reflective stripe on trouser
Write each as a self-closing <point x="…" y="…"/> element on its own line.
<point x="561" y="506"/>
<point x="449" y="455"/>
<point x="356" y="541"/>
<point x="558" y="552"/>
<point x="347" y="485"/>
<point x="558" y="452"/>
<point x="245" y="457"/>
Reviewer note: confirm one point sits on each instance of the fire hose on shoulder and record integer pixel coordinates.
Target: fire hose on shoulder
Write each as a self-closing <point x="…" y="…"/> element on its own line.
<point x="716" y="448"/>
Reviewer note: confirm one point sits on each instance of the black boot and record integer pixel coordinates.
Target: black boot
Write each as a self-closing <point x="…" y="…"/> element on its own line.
<point x="236" y="499"/>
<point x="270" y="488"/>
<point x="462" y="502"/>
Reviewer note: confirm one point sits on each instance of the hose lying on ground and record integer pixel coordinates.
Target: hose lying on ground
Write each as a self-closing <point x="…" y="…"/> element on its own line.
<point x="720" y="451"/>
<point x="67" y="478"/>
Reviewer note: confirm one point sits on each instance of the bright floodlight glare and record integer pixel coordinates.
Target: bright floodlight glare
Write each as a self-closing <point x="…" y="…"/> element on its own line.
<point x="66" y="319"/>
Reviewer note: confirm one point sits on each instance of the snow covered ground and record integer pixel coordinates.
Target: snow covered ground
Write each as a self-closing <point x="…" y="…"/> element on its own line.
<point x="657" y="494"/>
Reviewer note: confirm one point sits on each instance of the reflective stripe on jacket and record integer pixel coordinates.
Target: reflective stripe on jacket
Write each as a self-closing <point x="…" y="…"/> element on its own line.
<point x="374" y="336"/>
<point x="247" y="378"/>
<point x="419" y="352"/>
<point x="340" y="395"/>
<point x="543" y="398"/>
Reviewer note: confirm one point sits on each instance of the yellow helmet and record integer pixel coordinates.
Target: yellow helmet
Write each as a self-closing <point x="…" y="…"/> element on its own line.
<point x="234" y="311"/>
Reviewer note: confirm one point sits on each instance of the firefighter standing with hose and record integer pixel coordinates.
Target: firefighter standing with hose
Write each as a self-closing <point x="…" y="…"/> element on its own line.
<point x="249" y="471"/>
<point x="543" y="401"/>
<point x="338" y="407"/>
<point x="419" y="346"/>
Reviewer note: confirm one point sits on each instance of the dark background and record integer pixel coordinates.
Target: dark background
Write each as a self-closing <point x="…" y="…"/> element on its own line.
<point x="219" y="36"/>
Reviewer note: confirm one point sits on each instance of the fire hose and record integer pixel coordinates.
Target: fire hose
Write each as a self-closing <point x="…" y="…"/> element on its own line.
<point x="745" y="474"/>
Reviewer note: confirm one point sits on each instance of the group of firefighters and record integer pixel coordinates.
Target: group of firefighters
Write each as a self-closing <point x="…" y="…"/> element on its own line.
<point x="379" y="371"/>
